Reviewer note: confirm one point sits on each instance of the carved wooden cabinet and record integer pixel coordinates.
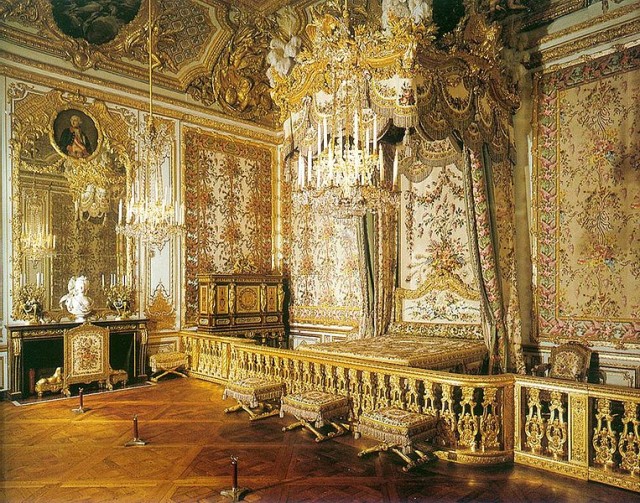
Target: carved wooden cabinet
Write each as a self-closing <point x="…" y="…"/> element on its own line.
<point x="243" y="305"/>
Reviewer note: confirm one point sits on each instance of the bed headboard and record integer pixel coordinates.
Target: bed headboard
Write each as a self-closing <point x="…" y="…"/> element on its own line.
<point x="443" y="306"/>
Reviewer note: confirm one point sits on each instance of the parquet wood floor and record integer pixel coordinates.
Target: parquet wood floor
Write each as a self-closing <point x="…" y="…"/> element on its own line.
<point x="50" y="454"/>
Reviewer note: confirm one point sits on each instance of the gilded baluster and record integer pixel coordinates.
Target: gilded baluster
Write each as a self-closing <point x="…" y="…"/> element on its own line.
<point x="296" y="382"/>
<point x="556" y="427"/>
<point x="605" y="442"/>
<point x="412" y="399"/>
<point x="397" y="392"/>
<point x="467" y="421"/>
<point x="342" y="386"/>
<point x="355" y="390"/>
<point x="449" y="424"/>
<point x="429" y="406"/>
<point x="307" y="375"/>
<point x="383" y="391"/>
<point x="629" y="447"/>
<point x="331" y="379"/>
<point x="490" y="421"/>
<point x="368" y="390"/>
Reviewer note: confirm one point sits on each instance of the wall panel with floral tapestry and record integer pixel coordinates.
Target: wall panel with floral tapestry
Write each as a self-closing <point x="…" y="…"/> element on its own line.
<point x="228" y="208"/>
<point x="434" y="243"/>
<point x="326" y="283"/>
<point x="587" y="194"/>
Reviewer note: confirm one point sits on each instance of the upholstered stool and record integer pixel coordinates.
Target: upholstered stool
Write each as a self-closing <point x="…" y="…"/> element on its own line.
<point x="168" y="363"/>
<point x="117" y="376"/>
<point x="398" y="430"/>
<point x="314" y="409"/>
<point x="254" y="395"/>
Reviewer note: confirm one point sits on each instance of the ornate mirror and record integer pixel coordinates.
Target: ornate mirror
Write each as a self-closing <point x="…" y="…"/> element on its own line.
<point x="72" y="161"/>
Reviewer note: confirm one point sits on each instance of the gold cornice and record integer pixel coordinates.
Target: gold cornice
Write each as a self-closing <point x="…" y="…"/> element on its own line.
<point x="612" y="14"/>
<point x="55" y="82"/>
<point x="586" y="42"/>
<point x="550" y="13"/>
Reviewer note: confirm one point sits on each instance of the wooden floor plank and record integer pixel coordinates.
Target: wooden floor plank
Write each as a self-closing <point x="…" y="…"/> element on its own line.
<point x="49" y="454"/>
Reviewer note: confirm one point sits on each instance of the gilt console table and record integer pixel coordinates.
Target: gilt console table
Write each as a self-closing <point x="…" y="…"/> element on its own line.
<point x="243" y="305"/>
<point x="35" y="350"/>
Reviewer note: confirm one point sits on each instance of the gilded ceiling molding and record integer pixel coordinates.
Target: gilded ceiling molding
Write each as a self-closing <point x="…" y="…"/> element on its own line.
<point x="235" y="129"/>
<point x="604" y="18"/>
<point x="575" y="46"/>
<point x="238" y="82"/>
<point x="185" y="41"/>
<point x="544" y="13"/>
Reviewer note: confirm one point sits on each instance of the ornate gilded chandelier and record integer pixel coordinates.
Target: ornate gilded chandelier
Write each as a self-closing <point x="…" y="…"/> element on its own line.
<point x="37" y="240"/>
<point x="150" y="214"/>
<point x="329" y="110"/>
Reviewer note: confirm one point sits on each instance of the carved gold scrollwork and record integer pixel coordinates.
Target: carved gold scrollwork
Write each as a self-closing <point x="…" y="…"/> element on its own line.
<point x="605" y="441"/>
<point x="240" y="83"/>
<point x="557" y="427"/>
<point x="629" y="447"/>
<point x="490" y="420"/>
<point x="468" y="421"/>
<point x="535" y="424"/>
<point x="449" y="423"/>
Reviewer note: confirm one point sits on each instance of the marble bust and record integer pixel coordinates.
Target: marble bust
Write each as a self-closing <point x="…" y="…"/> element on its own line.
<point x="76" y="300"/>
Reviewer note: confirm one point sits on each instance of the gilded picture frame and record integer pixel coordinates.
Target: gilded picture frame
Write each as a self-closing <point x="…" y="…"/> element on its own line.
<point x="76" y="134"/>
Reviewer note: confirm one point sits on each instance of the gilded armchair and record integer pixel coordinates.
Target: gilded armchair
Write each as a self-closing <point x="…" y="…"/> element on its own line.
<point x="569" y="361"/>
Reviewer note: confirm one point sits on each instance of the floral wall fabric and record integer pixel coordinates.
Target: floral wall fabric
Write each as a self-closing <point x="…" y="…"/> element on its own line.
<point x="434" y="238"/>
<point x="326" y="283"/>
<point x="588" y="201"/>
<point x="228" y="208"/>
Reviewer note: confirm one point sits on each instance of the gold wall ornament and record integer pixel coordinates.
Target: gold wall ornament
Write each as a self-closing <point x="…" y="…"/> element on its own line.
<point x="160" y="310"/>
<point x="239" y="77"/>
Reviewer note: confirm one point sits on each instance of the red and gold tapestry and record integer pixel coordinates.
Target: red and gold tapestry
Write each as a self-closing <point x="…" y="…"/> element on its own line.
<point x="587" y="201"/>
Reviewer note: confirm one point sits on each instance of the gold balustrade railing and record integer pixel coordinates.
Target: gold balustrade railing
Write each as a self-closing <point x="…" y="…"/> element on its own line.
<point x="586" y="431"/>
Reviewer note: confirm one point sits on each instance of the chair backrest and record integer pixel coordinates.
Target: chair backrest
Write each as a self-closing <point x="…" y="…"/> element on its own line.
<point x="570" y="361"/>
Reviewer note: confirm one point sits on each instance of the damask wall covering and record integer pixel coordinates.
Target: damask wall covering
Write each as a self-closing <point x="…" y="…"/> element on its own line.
<point x="326" y="266"/>
<point x="587" y="189"/>
<point x="228" y="194"/>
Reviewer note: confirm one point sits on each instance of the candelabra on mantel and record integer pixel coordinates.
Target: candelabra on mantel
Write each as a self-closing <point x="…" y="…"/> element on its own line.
<point x="119" y="295"/>
<point x="30" y="299"/>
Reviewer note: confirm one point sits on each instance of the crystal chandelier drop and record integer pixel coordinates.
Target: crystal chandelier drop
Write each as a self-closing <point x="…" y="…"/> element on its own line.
<point x="150" y="214"/>
<point x="37" y="240"/>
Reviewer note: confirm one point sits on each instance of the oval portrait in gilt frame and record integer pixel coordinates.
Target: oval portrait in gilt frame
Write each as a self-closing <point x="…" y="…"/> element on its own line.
<point x="75" y="134"/>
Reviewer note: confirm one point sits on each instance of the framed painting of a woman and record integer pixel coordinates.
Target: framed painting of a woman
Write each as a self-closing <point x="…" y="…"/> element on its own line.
<point x="75" y="134"/>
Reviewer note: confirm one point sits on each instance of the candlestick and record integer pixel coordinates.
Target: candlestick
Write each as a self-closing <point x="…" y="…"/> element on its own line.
<point x="235" y="493"/>
<point x="135" y="426"/>
<point x="136" y="435"/>
<point x="234" y="464"/>
<point x="80" y="409"/>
